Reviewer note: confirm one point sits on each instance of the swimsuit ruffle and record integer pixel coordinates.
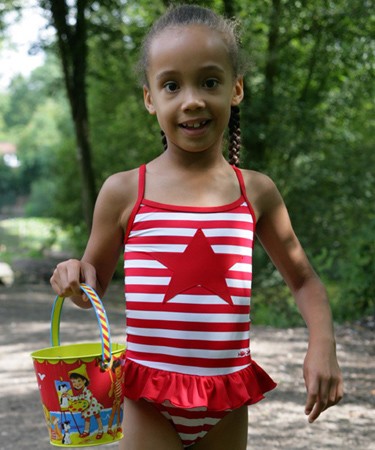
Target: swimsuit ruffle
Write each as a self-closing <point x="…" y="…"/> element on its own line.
<point x="216" y="393"/>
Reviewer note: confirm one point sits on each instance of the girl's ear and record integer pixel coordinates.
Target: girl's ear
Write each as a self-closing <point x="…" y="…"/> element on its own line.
<point x="147" y="98"/>
<point x="238" y="92"/>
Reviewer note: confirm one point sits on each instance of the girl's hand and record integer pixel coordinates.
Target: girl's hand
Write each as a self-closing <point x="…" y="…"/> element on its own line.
<point x="67" y="277"/>
<point x="323" y="379"/>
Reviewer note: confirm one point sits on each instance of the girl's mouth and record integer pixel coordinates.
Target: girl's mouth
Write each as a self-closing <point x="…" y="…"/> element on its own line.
<point x="194" y="125"/>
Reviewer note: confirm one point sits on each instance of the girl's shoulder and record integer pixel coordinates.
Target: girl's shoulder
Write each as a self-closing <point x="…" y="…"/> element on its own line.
<point x="121" y="185"/>
<point x="261" y="191"/>
<point x="257" y="180"/>
<point x="117" y="196"/>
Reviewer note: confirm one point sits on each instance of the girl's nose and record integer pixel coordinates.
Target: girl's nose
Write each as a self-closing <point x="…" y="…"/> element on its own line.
<point x="192" y="100"/>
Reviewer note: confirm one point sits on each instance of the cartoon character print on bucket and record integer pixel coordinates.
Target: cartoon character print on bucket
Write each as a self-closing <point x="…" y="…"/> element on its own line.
<point x="81" y="385"/>
<point x="80" y="407"/>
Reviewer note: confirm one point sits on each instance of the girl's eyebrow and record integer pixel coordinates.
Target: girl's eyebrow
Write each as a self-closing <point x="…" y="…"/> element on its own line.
<point x="208" y="68"/>
<point x="166" y="73"/>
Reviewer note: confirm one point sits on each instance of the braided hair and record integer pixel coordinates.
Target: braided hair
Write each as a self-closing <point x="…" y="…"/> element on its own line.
<point x="234" y="137"/>
<point x="185" y="15"/>
<point x="164" y="140"/>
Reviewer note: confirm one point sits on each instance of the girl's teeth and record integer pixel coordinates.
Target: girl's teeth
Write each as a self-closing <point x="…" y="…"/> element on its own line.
<point x="194" y="125"/>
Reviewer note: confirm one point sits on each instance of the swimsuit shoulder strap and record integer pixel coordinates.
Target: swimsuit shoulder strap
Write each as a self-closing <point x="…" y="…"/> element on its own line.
<point x="243" y="190"/>
<point x="140" y="195"/>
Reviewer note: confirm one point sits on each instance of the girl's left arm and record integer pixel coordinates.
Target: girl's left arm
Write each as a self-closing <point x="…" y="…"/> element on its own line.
<point x="321" y="371"/>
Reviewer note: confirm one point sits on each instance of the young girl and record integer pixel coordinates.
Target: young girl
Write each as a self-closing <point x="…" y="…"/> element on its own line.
<point x="186" y="221"/>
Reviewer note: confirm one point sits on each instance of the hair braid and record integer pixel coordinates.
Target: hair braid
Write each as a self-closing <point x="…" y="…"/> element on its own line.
<point x="234" y="136"/>
<point x="164" y="139"/>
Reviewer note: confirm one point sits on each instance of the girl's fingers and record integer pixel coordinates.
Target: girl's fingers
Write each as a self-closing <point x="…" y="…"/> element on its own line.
<point x="321" y="396"/>
<point x="88" y="275"/>
<point x="66" y="278"/>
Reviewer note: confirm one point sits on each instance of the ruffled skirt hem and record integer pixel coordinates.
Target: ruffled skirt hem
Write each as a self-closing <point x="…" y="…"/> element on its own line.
<point x="216" y="393"/>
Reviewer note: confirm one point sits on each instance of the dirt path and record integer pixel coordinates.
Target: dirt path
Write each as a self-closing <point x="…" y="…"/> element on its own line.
<point x="276" y="423"/>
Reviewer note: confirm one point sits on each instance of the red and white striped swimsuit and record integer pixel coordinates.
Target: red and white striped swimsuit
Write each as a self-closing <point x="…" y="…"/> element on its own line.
<point x="188" y="273"/>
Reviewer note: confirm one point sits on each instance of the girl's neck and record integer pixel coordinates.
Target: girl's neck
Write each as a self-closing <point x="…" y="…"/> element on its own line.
<point x="195" y="183"/>
<point x="190" y="162"/>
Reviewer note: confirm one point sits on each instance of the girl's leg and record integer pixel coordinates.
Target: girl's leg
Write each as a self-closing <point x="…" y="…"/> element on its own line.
<point x="230" y="432"/>
<point x="145" y="428"/>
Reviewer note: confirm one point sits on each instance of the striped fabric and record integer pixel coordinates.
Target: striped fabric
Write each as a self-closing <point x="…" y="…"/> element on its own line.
<point x="193" y="424"/>
<point x="188" y="278"/>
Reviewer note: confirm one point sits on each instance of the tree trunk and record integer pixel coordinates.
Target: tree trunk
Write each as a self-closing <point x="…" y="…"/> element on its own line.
<point x="259" y="119"/>
<point x="72" y="43"/>
<point x="229" y="8"/>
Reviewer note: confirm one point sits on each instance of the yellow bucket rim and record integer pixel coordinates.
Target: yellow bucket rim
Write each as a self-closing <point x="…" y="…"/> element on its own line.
<point x="70" y="353"/>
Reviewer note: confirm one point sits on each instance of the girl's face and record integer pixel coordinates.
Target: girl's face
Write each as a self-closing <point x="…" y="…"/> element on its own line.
<point x="191" y="87"/>
<point x="78" y="383"/>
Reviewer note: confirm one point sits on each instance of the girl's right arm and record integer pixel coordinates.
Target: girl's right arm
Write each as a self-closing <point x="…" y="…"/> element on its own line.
<point x="113" y="207"/>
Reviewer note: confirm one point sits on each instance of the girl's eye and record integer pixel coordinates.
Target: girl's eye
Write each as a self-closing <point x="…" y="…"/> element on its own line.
<point x="211" y="83"/>
<point x="171" y="86"/>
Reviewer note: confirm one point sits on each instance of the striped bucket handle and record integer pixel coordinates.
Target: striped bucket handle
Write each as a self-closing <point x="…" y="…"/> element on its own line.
<point x="101" y="316"/>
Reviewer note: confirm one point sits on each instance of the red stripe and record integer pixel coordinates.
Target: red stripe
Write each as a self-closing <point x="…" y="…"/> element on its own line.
<point x="189" y="343"/>
<point x="164" y="272"/>
<point x="145" y="289"/>
<point x="190" y="308"/>
<point x="184" y="240"/>
<point x="147" y="272"/>
<point x="188" y="361"/>
<point x="162" y="289"/>
<point x="195" y="429"/>
<point x="187" y="326"/>
<point x="152" y="206"/>
<point x="192" y="414"/>
<point x="133" y="255"/>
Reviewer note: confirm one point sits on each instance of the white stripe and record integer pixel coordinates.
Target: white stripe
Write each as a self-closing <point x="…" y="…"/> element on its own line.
<point x="150" y="264"/>
<point x="187" y="299"/>
<point x="242" y="267"/>
<point x="209" y="217"/>
<point x="149" y="248"/>
<point x="189" y="232"/>
<point x="157" y="281"/>
<point x="164" y="281"/>
<point x="152" y="298"/>
<point x="192" y="436"/>
<point x="194" y="422"/>
<point x="143" y="263"/>
<point x="232" y="282"/>
<point x="163" y="232"/>
<point x="229" y="232"/>
<point x="188" y="317"/>
<point x="193" y="335"/>
<point x="174" y="248"/>
<point x="190" y="370"/>
<point x="183" y="352"/>
<point x="232" y="249"/>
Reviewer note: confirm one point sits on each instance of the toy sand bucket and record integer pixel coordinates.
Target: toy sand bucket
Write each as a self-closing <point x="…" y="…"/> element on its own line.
<point x="81" y="385"/>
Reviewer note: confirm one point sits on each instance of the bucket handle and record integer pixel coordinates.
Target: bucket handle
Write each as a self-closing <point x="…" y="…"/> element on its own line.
<point x="101" y="316"/>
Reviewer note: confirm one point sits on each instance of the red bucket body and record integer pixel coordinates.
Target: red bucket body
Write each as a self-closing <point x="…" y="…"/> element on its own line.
<point x="82" y="403"/>
<point x="81" y="385"/>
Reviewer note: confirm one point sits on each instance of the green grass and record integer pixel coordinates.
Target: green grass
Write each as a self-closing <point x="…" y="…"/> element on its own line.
<point x="31" y="238"/>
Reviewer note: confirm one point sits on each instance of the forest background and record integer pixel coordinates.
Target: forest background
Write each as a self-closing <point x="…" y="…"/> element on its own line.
<point x="307" y="121"/>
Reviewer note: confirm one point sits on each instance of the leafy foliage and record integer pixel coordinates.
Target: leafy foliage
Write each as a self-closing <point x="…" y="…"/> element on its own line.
<point x="307" y="121"/>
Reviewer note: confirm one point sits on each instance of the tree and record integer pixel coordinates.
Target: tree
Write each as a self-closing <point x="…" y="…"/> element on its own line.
<point x="73" y="49"/>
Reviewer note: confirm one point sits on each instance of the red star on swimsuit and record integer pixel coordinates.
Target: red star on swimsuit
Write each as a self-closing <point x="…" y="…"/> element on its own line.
<point x="198" y="265"/>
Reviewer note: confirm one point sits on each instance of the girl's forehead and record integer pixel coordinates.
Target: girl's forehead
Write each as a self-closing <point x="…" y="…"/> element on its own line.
<point x="188" y="43"/>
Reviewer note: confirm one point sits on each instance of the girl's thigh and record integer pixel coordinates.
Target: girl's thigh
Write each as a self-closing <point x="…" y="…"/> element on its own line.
<point x="145" y="428"/>
<point x="229" y="433"/>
